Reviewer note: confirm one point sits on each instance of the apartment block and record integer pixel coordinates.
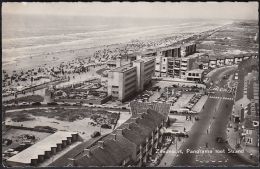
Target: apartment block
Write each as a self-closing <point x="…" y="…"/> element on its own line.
<point x="127" y="80"/>
<point x="188" y="49"/>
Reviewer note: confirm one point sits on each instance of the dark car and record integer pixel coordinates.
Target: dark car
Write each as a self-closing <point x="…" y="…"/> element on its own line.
<point x="95" y="134"/>
<point x="181" y="135"/>
<point x="106" y="126"/>
<point x="36" y="104"/>
<point x="220" y="140"/>
<point x="52" y="104"/>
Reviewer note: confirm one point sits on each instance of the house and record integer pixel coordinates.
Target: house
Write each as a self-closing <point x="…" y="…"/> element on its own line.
<point x="220" y="62"/>
<point x="238" y="59"/>
<point x="229" y="61"/>
<point x="212" y="63"/>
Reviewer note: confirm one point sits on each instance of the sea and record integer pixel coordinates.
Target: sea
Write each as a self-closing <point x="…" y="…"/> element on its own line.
<point x="29" y="35"/>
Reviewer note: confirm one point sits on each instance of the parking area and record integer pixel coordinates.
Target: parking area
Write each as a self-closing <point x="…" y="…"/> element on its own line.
<point x="16" y="140"/>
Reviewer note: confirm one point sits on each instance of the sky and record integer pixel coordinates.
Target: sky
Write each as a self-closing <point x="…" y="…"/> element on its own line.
<point x="204" y="10"/>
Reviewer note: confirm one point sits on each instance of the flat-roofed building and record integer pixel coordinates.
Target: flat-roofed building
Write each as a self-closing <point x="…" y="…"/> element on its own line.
<point x="229" y="61"/>
<point x="194" y="75"/>
<point x="145" y="71"/>
<point x="213" y="63"/>
<point x="122" y="82"/>
<point x="127" y="80"/>
<point x="188" y="49"/>
<point x="43" y="150"/>
<point x="238" y="59"/>
<point x="161" y="66"/>
<point x="220" y="62"/>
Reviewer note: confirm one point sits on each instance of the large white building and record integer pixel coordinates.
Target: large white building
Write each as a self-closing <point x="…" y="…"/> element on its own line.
<point x="127" y="80"/>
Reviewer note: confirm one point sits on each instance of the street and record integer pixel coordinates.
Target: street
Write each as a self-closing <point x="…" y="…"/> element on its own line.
<point x="212" y="124"/>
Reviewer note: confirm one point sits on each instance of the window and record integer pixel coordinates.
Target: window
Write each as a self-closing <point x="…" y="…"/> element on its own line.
<point x="193" y="74"/>
<point x="189" y="74"/>
<point x="183" y="73"/>
<point x="197" y="74"/>
<point x="248" y="132"/>
<point x="163" y="67"/>
<point x="249" y="140"/>
<point x="115" y="87"/>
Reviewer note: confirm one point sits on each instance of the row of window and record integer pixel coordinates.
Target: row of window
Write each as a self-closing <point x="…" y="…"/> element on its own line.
<point x="193" y="74"/>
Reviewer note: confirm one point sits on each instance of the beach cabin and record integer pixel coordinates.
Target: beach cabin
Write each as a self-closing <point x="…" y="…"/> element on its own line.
<point x="229" y="61"/>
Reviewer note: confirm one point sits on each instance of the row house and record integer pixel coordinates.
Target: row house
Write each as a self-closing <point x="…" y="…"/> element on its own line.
<point x="131" y="144"/>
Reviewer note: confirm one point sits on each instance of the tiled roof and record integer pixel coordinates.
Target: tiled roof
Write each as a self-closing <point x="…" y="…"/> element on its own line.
<point x="139" y="107"/>
<point x="121" y="143"/>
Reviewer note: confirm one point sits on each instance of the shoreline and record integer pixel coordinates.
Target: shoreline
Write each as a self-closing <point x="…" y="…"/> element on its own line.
<point x="55" y="58"/>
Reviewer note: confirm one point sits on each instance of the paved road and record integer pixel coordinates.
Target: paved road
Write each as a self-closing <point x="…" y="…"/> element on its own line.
<point x="213" y="123"/>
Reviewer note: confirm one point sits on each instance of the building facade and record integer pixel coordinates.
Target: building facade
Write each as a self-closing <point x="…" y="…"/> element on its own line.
<point x="127" y="80"/>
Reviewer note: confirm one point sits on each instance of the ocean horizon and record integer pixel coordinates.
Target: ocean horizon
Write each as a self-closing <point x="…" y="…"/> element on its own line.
<point x="29" y="35"/>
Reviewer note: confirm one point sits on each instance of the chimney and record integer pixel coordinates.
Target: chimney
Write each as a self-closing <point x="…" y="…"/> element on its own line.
<point x="87" y="152"/>
<point x="114" y="136"/>
<point x="101" y="144"/>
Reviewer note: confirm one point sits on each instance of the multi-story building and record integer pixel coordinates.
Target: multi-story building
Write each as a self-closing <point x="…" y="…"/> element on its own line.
<point x="188" y="49"/>
<point x="127" y="80"/>
<point x="145" y="71"/>
<point x="122" y="82"/>
<point x="161" y="66"/>
<point x="194" y="75"/>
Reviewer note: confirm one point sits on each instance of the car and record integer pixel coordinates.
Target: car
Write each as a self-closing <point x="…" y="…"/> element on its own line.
<point x="95" y="134"/>
<point x="220" y="140"/>
<point x="52" y="104"/>
<point x="36" y="104"/>
<point x="106" y="126"/>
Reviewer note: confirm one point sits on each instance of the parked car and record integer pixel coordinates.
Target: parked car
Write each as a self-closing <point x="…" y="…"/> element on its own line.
<point x="36" y="104"/>
<point x="95" y="134"/>
<point x="106" y="126"/>
<point x="52" y="104"/>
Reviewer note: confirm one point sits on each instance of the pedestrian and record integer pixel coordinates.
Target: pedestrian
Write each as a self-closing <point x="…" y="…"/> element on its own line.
<point x="207" y="131"/>
<point x="184" y="129"/>
<point x="190" y="118"/>
<point x="186" y="117"/>
<point x="206" y="144"/>
<point x="165" y="163"/>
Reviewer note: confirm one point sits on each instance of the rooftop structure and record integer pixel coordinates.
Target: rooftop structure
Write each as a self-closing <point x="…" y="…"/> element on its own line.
<point x="38" y="151"/>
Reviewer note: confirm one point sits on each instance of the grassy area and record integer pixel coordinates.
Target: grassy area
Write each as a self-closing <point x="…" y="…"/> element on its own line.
<point x="31" y="98"/>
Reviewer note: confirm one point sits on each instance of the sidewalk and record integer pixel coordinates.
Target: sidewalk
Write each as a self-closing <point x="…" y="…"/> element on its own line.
<point x="233" y="139"/>
<point x="173" y="149"/>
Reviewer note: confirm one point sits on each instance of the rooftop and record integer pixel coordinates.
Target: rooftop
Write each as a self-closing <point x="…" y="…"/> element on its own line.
<point x="119" y="145"/>
<point x="40" y="147"/>
<point x="122" y="68"/>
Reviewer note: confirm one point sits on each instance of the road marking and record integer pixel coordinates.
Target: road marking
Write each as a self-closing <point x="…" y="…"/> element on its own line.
<point x="213" y="161"/>
<point x="220" y="161"/>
